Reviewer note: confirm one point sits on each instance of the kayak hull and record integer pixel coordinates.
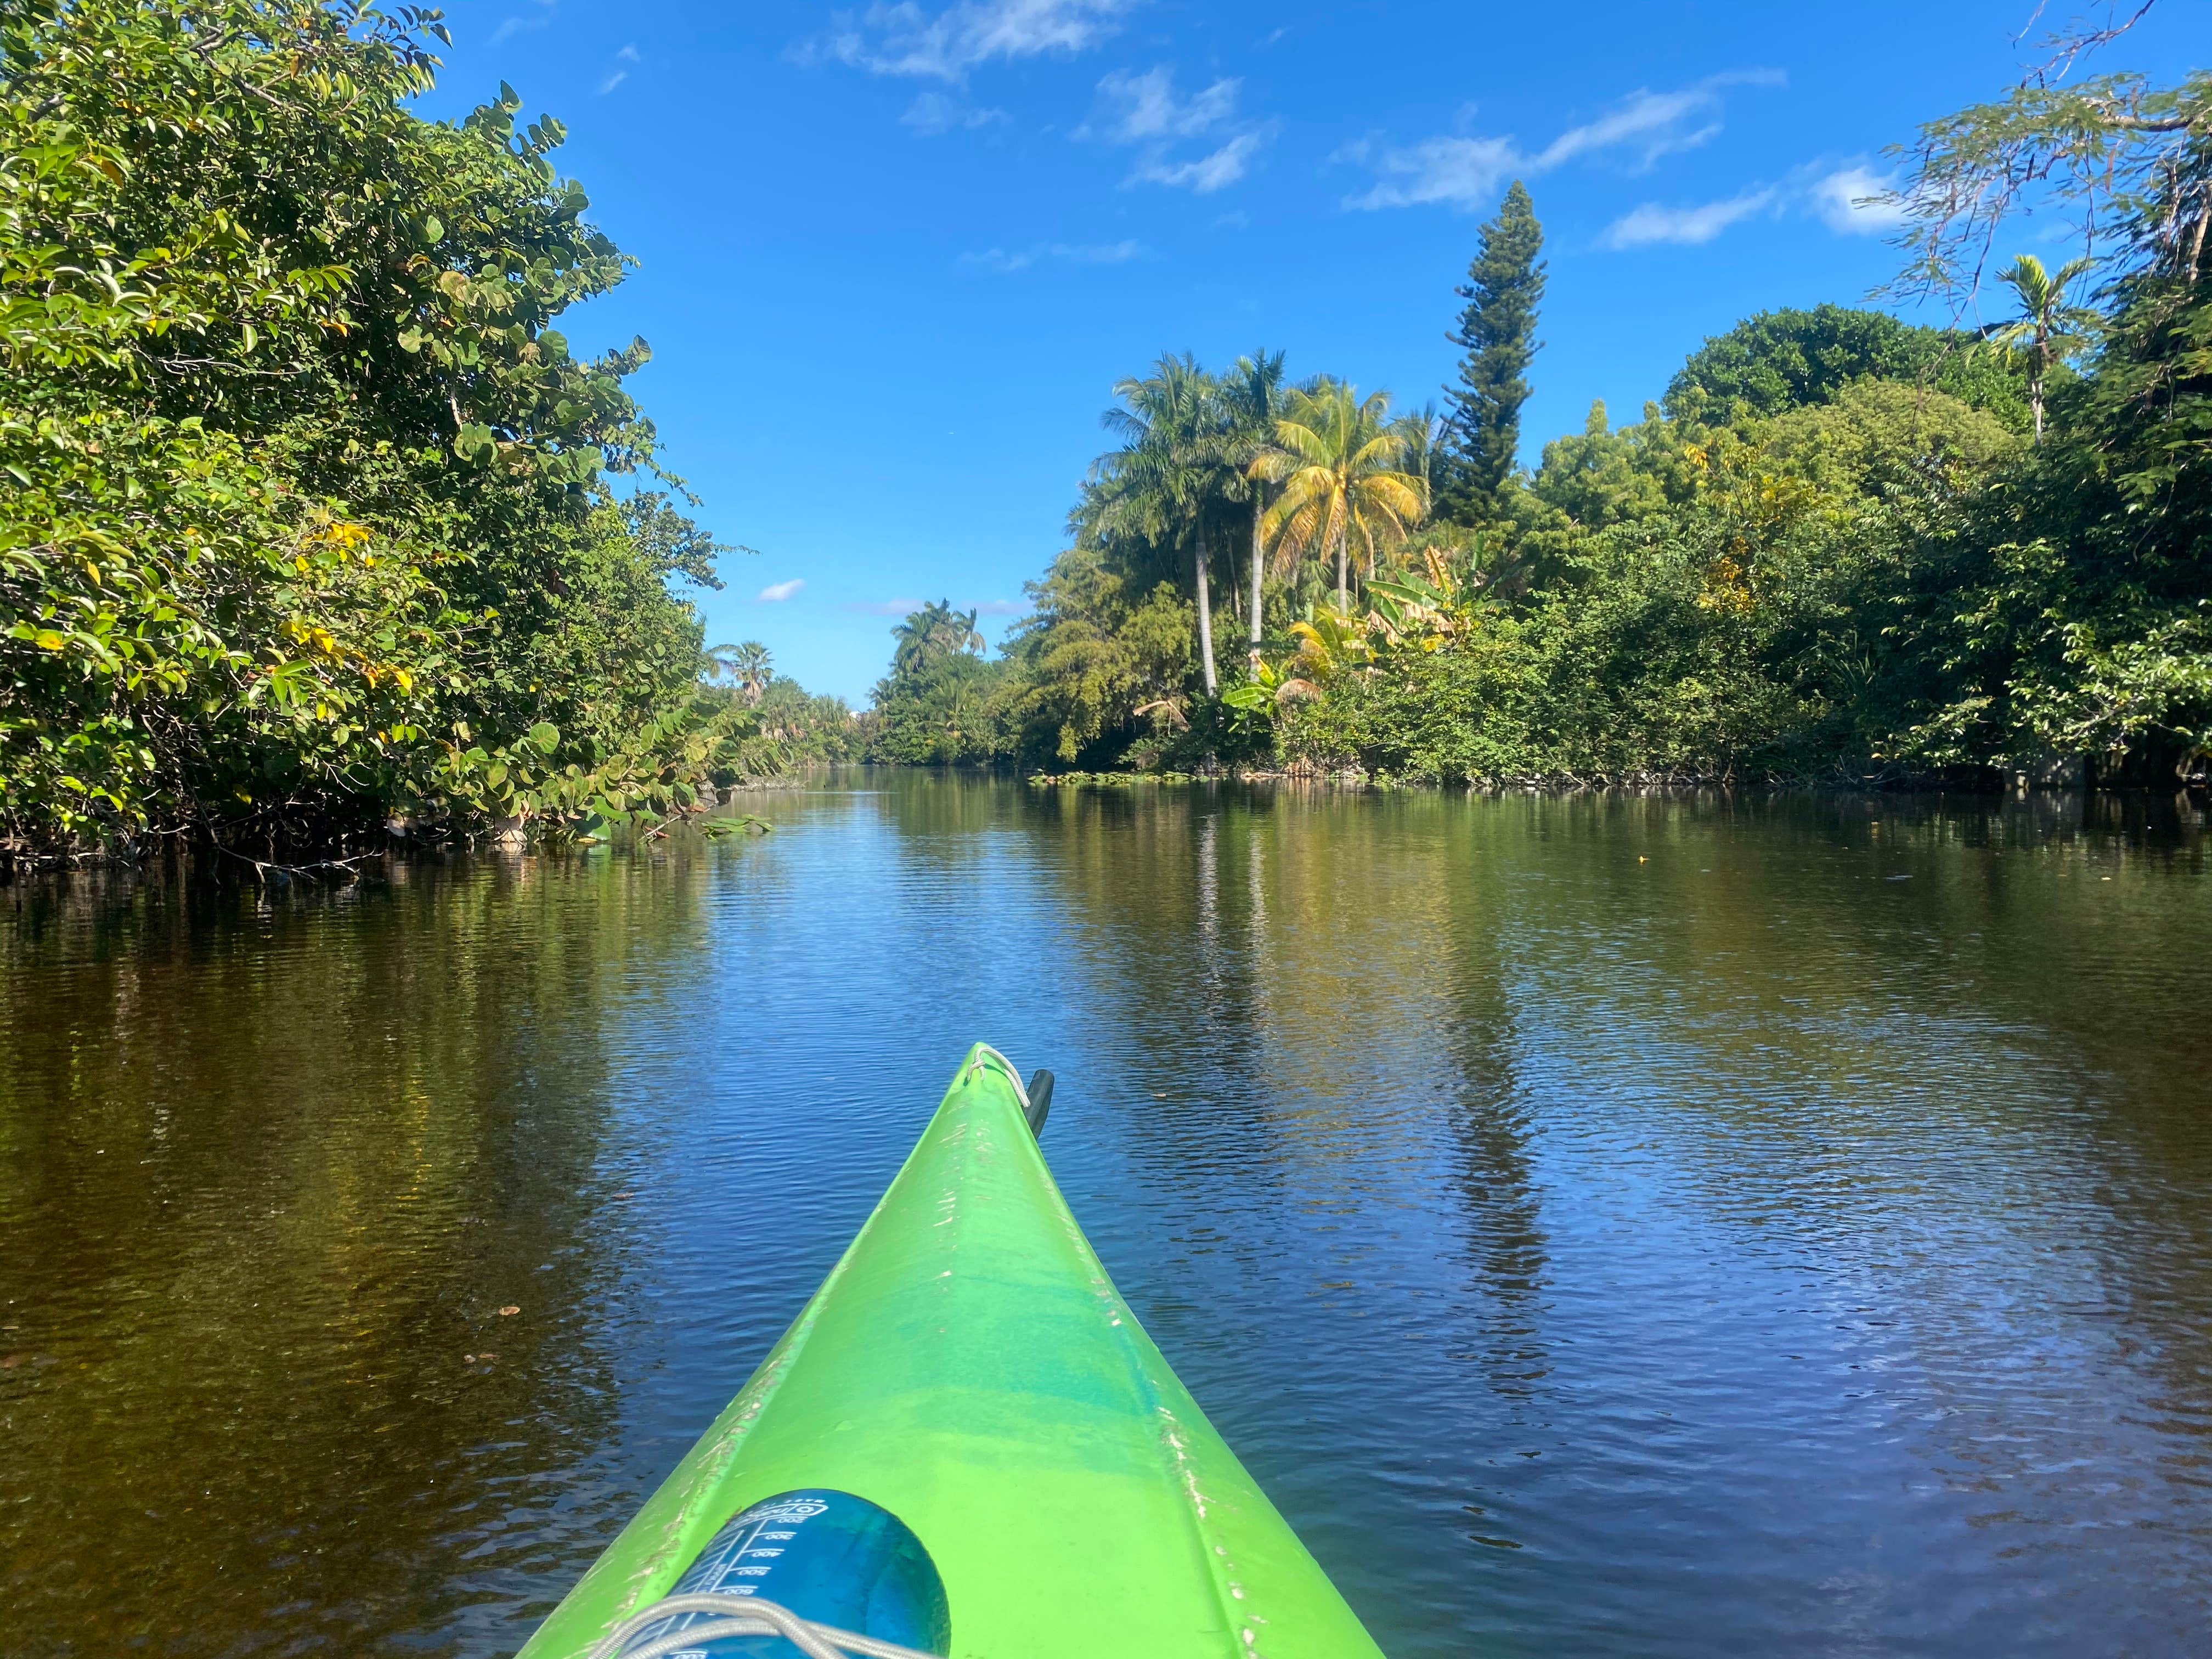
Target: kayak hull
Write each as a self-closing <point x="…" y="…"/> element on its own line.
<point x="968" y="1366"/>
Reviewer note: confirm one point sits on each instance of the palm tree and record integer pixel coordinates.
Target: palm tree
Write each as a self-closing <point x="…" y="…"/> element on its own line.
<point x="754" y="670"/>
<point x="2051" y="329"/>
<point x="747" y="665"/>
<point x="1338" y="458"/>
<point x="935" y="630"/>
<point x="1253" y="393"/>
<point x="1424" y="434"/>
<point x="1175" y="466"/>
<point x="717" y="660"/>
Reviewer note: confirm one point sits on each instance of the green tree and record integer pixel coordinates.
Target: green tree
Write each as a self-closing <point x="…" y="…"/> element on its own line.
<point x="1426" y="433"/>
<point x="2077" y="621"/>
<point x="748" y="666"/>
<point x="1601" y="477"/>
<point x="1497" y="332"/>
<point x="1094" y="651"/>
<point x="1336" y="457"/>
<point x="1170" y="478"/>
<point x="309" y="520"/>
<point x="1253" y="393"/>
<point x="934" y="631"/>
<point x="808" y="727"/>
<point x="1789" y="358"/>
<point x="936" y="711"/>
<point x="2049" y="330"/>
<point x="934" y="705"/>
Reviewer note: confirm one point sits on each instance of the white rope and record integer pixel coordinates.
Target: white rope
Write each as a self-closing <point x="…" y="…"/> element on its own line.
<point x="1021" y="1088"/>
<point x="742" y="1615"/>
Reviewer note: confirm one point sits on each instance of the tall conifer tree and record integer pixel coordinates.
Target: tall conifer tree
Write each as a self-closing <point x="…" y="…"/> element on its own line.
<point x="1498" y="330"/>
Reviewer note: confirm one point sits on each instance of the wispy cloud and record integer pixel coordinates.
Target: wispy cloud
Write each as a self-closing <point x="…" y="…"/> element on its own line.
<point x="1848" y="198"/>
<point x="904" y="38"/>
<point x="627" y="54"/>
<point x="1652" y="225"/>
<point x="1003" y="607"/>
<point x="1080" y="253"/>
<point x="511" y="27"/>
<point x="1461" y="173"/>
<point x="1208" y="172"/>
<point x="1145" y="111"/>
<point x="934" y="113"/>
<point x="1655" y="123"/>
<point x="1464" y="172"/>
<point x="777" y="592"/>
<point x="1145" y="108"/>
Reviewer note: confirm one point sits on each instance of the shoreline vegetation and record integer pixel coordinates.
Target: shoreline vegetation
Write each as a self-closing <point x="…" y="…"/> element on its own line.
<point x="313" y="530"/>
<point x="315" y="536"/>
<point x="1841" y="549"/>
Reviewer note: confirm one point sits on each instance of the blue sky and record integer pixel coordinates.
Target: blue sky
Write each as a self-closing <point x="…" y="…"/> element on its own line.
<point x="893" y="258"/>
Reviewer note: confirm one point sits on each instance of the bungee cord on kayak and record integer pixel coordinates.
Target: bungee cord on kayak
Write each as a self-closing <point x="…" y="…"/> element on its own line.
<point x="742" y="1615"/>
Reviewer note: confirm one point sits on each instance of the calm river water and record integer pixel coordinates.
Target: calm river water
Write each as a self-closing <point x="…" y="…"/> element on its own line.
<point x="1609" y="1226"/>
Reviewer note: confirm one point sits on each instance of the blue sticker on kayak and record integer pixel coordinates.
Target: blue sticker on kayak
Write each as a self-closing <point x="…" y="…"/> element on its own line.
<point x="830" y="1556"/>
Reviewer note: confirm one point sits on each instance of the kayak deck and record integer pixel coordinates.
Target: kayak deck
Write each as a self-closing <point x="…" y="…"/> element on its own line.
<point x="968" y="1366"/>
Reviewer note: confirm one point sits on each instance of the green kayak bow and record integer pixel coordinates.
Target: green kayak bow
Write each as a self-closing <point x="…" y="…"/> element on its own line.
<point x="969" y="1375"/>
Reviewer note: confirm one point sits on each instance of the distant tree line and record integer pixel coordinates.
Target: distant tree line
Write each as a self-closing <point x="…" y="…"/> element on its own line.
<point x="1840" y="545"/>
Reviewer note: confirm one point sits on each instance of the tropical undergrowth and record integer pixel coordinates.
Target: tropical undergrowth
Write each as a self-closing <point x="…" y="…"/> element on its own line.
<point x="309" y="514"/>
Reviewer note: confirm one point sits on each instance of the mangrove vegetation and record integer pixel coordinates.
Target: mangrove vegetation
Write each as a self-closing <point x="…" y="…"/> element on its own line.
<point x="311" y="523"/>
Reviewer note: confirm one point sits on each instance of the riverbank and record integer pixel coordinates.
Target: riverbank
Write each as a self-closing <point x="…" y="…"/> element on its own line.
<point x="1967" y="782"/>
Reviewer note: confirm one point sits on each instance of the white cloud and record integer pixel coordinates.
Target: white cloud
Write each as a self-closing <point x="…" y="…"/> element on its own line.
<point x="1148" y="109"/>
<point x="627" y="54"/>
<point x="1207" y="174"/>
<point x="1003" y="607"/>
<point x="1845" y="198"/>
<point x="1848" y="201"/>
<point x="1656" y="123"/>
<point x="905" y="39"/>
<point x="934" y="113"/>
<point x="777" y="592"/>
<point x="1651" y="224"/>
<point x="1079" y="253"/>
<point x="1465" y="172"/>
<point x="1144" y="111"/>
<point x="509" y="28"/>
